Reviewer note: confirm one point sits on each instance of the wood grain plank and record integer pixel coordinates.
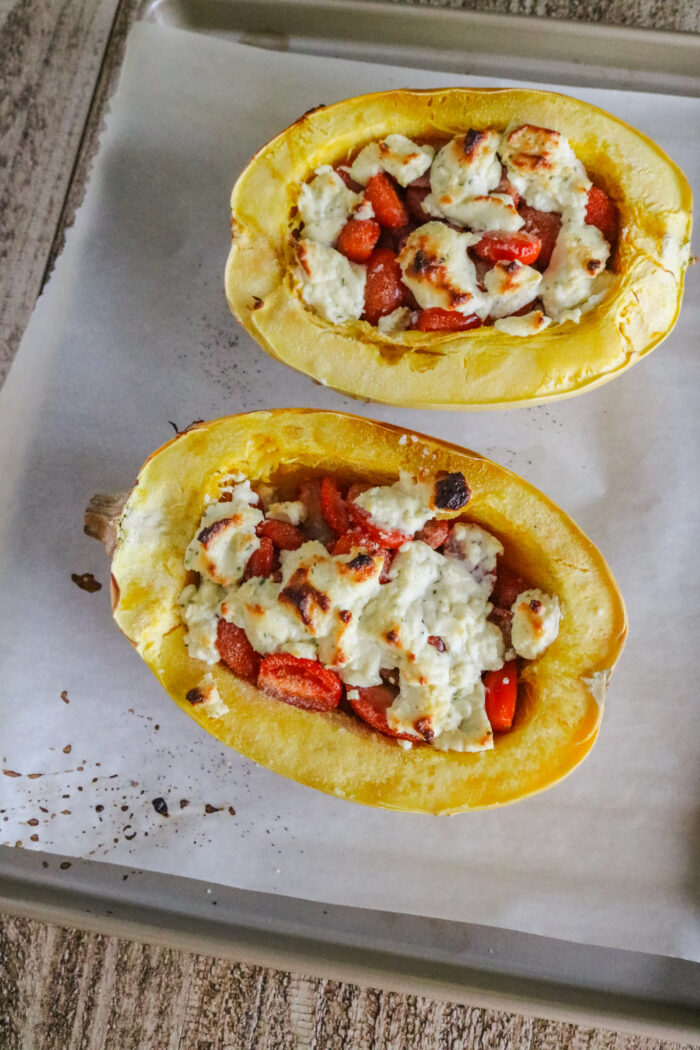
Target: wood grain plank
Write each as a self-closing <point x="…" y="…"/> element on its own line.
<point x="63" y="989"/>
<point x="52" y="53"/>
<point x="683" y="16"/>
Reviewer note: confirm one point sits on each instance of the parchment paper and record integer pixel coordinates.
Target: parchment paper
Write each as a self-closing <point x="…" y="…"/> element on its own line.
<point x="133" y="333"/>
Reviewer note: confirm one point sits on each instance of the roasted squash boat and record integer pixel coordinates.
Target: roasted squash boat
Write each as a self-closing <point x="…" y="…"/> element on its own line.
<point x="403" y="623"/>
<point x="459" y="248"/>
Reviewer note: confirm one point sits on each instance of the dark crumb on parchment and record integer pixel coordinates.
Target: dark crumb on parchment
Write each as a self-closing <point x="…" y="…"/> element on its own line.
<point x="160" y="806"/>
<point x="11" y="773"/>
<point x="64" y="696"/>
<point x="64" y="865"/>
<point x="86" y="581"/>
<point x="67" y="749"/>
<point x="212" y="809"/>
<point x="184" y="802"/>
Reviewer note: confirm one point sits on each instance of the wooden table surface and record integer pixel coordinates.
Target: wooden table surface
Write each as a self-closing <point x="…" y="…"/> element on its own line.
<point x="64" y="989"/>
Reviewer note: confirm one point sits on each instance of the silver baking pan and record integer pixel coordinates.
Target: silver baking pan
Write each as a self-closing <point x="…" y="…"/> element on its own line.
<point x="498" y="968"/>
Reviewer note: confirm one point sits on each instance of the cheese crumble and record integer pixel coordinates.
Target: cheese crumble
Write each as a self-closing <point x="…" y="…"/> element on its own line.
<point x="427" y="618"/>
<point x="475" y="183"/>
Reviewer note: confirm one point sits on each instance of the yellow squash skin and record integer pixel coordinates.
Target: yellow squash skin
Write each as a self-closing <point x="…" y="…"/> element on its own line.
<point x="483" y="368"/>
<point x="561" y="699"/>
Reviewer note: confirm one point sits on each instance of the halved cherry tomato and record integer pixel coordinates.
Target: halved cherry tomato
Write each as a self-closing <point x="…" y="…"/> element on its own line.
<point x="236" y="651"/>
<point x="601" y="212"/>
<point x="389" y="209"/>
<point x="434" y="533"/>
<point x="371" y="705"/>
<point x="436" y="319"/>
<point x="384" y="289"/>
<point x="302" y="683"/>
<point x="390" y="538"/>
<point x="544" y="225"/>
<point x="262" y="561"/>
<point x="284" y="536"/>
<point x="333" y="506"/>
<point x="501" y="694"/>
<point x="509" y="584"/>
<point x="496" y="247"/>
<point x="358" y="238"/>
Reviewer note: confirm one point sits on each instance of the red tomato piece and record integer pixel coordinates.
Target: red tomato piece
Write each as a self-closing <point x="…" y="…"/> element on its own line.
<point x="497" y="247"/>
<point x="438" y="320"/>
<point x="390" y="538"/>
<point x="357" y="538"/>
<point x="358" y="238"/>
<point x="262" y="561"/>
<point x="389" y="209"/>
<point x="501" y="694"/>
<point x="384" y="289"/>
<point x="434" y="533"/>
<point x="333" y="506"/>
<point x="544" y="225"/>
<point x="284" y="536"/>
<point x="415" y="195"/>
<point x="371" y="706"/>
<point x="509" y="584"/>
<point x="601" y="212"/>
<point x="236" y="651"/>
<point x="302" y="683"/>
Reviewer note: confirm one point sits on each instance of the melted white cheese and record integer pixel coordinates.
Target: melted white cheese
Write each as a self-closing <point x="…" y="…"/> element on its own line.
<point x="200" y="612"/>
<point x="460" y="173"/>
<point x="333" y="285"/>
<point x="579" y="256"/>
<point x="325" y="205"/>
<point x="527" y="324"/>
<point x="397" y="321"/>
<point x="211" y="702"/>
<point x="226" y="537"/>
<point x="494" y="212"/>
<point x="292" y="512"/>
<point x="545" y="171"/>
<point x="437" y="269"/>
<point x="511" y="286"/>
<point x="406" y="505"/>
<point x="396" y="155"/>
<point x="478" y="549"/>
<point x="535" y="625"/>
<point x="334" y="609"/>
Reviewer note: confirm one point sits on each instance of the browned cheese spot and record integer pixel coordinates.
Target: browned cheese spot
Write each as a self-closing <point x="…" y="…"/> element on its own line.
<point x="472" y="140"/>
<point x="302" y="596"/>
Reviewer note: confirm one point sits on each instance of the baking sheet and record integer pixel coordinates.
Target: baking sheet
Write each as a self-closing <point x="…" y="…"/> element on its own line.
<point x="133" y="333"/>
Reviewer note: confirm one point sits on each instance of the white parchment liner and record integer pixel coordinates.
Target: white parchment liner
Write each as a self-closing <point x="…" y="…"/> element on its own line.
<point x="134" y="332"/>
